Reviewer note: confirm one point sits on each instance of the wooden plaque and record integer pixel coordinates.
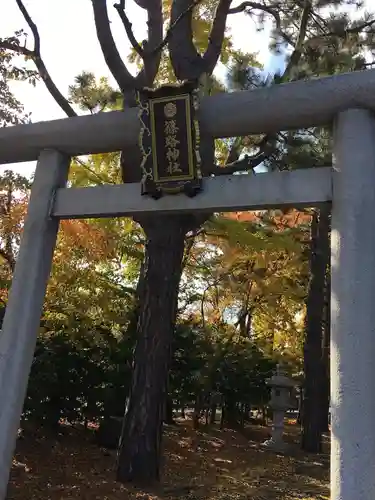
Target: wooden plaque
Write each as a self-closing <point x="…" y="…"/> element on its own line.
<point x="169" y="140"/>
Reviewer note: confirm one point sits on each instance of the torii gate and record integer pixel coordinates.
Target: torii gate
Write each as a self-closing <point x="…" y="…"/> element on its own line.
<point x="347" y="101"/>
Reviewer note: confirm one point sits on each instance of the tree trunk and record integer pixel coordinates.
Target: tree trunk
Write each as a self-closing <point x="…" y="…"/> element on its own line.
<point x="319" y="252"/>
<point x="249" y="320"/>
<point x="140" y="445"/>
<point x="244" y="322"/>
<point x="213" y="413"/>
<point x="168" y="417"/>
<point x="134" y="314"/>
<point x="264" y="416"/>
<point x="247" y="410"/>
<point x="300" y="407"/>
<point x="325" y="403"/>
<point x="197" y="411"/>
<point x="242" y="411"/>
<point x="231" y="413"/>
<point x="222" y="419"/>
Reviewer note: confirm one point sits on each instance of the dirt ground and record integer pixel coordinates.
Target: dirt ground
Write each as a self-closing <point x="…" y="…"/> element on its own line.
<point x="211" y="464"/>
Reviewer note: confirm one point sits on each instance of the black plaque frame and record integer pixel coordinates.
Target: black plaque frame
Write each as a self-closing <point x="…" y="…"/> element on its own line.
<point x="169" y="140"/>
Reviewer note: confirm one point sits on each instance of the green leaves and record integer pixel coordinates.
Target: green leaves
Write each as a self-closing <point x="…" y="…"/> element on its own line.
<point x="92" y="95"/>
<point x="77" y="379"/>
<point x="214" y="360"/>
<point x="11" y="109"/>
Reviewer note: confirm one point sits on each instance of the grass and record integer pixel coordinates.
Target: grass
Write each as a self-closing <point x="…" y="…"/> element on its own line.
<point x="211" y="464"/>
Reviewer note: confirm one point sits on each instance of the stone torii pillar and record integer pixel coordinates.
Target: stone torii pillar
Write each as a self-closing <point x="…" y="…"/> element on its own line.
<point x="353" y="308"/>
<point x="24" y="307"/>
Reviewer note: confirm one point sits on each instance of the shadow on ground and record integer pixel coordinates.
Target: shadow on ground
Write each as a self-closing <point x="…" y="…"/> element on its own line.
<point x="211" y="464"/>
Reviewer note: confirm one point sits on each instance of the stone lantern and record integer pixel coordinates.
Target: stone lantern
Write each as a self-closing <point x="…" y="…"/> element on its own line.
<point x="280" y="402"/>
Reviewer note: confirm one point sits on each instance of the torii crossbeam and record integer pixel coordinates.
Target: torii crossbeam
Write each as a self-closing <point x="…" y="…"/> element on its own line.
<point x="345" y="100"/>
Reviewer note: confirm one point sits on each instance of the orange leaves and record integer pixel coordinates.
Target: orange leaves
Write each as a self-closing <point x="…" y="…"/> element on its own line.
<point x="12" y="221"/>
<point x="281" y="220"/>
<point x="96" y="243"/>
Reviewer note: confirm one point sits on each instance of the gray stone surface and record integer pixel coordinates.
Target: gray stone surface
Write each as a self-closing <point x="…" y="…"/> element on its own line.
<point x="287" y="106"/>
<point x="238" y="192"/>
<point x="353" y="309"/>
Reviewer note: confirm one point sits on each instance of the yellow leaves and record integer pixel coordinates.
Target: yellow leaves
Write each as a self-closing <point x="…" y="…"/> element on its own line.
<point x="96" y="170"/>
<point x="166" y="6"/>
<point x="226" y="50"/>
<point x="256" y="269"/>
<point x="85" y="236"/>
<point x="12" y="217"/>
<point x="78" y="286"/>
<point x="202" y="23"/>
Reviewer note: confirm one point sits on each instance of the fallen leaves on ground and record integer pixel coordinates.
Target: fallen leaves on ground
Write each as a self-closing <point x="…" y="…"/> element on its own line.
<point x="210" y="464"/>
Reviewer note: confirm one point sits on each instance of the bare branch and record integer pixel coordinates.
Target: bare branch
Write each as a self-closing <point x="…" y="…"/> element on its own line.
<point x="186" y="62"/>
<point x="266" y="149"/>
<point x="342" y="34"/>
<point x="151" y="52"/>
<point x="356" y="29"/>
<point x="299" y="45"/>
<point x="265" y="8"/>
<point x="16" y="48"/>
<point x="234" y="164"/>
<point x="243" y="165"/>
<point x="216" y="38"/>
<point x="35" y="55"/>
<point x="234" y="151"/>
<point x="100" y="179"/>
<point x="120" y="7"/>
<point x="126" y="81"/>
<point x="256" y="6"/>
<point x="174" y="24"/>
<point x="31" y="25"/>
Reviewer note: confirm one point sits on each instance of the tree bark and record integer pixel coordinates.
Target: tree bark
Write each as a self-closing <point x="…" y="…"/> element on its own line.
<point x="325" y="403"/>
<point x="222" y="418"/>
<point x="207" y="416"/>
<point x="140" y="445"/>
<point x="231" y="413"/>
<point x="197" y="411"/>
<point x="213" y="413"/>
<point x="168" y="417"/>
<point x="300" y="406"/>
<point x="315" y="305"/>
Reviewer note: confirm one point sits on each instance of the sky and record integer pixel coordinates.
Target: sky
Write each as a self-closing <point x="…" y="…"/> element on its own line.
<point x="69" y="46"/>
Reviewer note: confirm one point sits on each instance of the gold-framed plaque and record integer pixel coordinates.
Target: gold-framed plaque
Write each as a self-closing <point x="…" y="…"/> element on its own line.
<point x="169" y="140"/>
